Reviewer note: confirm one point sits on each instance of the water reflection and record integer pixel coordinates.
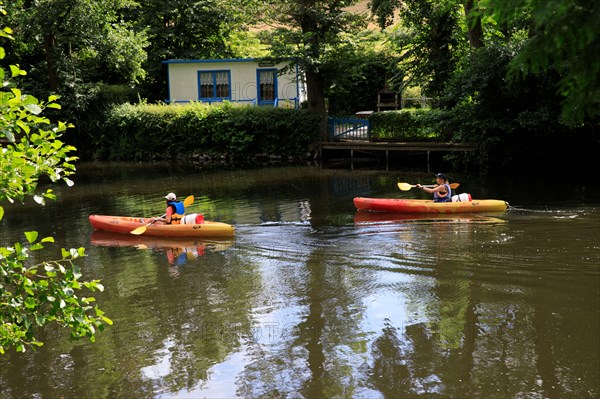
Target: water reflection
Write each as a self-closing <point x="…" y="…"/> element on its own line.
<point x="365" y="218"/>
<point x="312" y="299"/>
<point x="178" y="250"/>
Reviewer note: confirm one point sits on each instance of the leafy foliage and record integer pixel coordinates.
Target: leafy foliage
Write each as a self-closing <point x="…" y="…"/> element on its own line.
<point x="183" y="29"/>
<point x="365" y="67"/>
<point x="409" y="125"/>
<point x="509" y="119"/>
<point x="562" y="37"/>
<point x="151" y="132"/>
<point x="429" y="44"/>
<point x="308" y="31"/>
<point x="34" y="295"/>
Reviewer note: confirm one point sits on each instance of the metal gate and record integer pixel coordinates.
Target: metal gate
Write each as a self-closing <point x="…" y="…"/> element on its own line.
<point x="348" y="129"/>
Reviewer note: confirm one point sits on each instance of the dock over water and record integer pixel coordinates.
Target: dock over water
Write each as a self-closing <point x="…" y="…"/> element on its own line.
<point x="326" y="149"/>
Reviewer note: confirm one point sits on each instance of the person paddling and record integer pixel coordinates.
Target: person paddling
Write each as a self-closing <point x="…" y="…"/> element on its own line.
<point x="175" y="213"/>
<point x="441" y="192"/>
<point x="175" y="210"/>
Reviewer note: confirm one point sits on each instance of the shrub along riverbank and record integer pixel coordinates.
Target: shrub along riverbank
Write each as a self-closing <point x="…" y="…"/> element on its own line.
<point x="412" y="124"/>
<point x="238" y="135"/>
<point x="195" y="131"/>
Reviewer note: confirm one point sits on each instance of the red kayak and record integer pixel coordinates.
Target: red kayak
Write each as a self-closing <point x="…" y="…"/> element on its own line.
<point x="427" y="206"/>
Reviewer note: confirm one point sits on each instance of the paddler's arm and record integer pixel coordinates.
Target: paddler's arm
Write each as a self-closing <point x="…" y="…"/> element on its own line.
<point x="168" y="215"/>
<point x="435" y="189"/>
<point x="426" y="189"/>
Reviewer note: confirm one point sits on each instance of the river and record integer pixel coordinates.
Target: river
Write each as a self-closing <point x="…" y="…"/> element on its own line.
<point x="312" y="300"/>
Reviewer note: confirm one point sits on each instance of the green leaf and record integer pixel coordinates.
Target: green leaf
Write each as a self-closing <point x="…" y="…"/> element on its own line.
<point x="31" y="236"/>
<point x="1" y="213"/>
<point x="16" y="71"/>
<point x="33" y="108"/>
<point x="37" y="246"/>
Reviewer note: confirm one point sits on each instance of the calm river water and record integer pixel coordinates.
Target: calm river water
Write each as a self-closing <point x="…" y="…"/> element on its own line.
<point x="312" y="300"/>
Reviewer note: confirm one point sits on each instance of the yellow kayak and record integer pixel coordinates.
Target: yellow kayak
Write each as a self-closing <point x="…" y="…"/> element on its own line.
<point x="126" y="224"/>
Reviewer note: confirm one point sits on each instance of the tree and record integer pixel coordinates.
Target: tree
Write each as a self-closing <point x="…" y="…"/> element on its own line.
<point x="547" y="38"/>
<point x="430" y="43"/>
<point x="79" y="41"/>
<point x="73" y="48"/>
<point x="563" y="36"/>
<point x="308" y="30"/>
<point x="186" y="29"/>
<point x="34" y="295"/>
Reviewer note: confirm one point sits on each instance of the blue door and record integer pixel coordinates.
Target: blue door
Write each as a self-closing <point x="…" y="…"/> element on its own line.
<point x="266" y="82"/>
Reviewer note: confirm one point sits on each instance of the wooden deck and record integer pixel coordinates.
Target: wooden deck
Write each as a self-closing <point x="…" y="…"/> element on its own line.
<point x="387" y="147"/>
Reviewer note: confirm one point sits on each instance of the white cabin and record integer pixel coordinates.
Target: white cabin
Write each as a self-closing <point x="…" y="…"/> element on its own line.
<point x="236" y="80"/>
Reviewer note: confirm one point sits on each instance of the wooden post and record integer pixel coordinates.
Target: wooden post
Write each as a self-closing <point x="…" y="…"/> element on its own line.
<point x="428" y="170"/>
<point x="387" y="168"/>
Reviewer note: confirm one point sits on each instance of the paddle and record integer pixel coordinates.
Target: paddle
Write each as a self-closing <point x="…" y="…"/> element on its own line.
<point x="406" y="186"/>
<point x="189" y="200"/>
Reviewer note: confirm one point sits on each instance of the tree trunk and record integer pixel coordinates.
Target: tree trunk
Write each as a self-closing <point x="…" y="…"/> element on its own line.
<point x="49" y="48"/>
<point x="474" y="29"/>
<point x="314" y="81"/>
<point x="316" y="100"/>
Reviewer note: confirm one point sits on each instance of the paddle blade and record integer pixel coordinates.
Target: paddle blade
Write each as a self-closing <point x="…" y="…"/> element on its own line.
<point x="454" y="185"/>
<point x="139" y="230"/>
<point x="404" y="186"/>
<point x="189" y="200"/>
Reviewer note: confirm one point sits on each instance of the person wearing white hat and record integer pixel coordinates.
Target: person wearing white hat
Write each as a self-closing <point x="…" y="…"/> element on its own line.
<point x="175" y="209"/>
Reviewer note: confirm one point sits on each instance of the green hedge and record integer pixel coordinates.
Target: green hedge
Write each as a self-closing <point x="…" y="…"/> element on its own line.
<point x="156" y="132"/>
<point x="409" y="125"/>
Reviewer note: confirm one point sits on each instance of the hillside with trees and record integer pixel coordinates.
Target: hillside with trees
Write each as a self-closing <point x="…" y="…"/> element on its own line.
<point x="518" y="78"/>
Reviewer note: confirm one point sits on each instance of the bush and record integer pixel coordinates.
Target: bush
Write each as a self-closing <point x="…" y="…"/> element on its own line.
<point x="155" y="132"/>
<point x="409" y="125"/>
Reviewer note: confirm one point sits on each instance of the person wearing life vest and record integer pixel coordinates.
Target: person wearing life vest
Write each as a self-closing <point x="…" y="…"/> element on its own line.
<point x="441" y="192"/>
<point x="175" y="210"/>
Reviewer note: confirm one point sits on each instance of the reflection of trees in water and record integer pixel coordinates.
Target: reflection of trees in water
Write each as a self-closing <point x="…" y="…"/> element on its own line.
<point x="213" y="315"/>
<point x="445" y="352"/>
<point x="478" y="331"/>
<point x="315" y="354"/>
<point x="479" y="337"/>
<point x="389" y="374"/>
<point x="152" y="348"/>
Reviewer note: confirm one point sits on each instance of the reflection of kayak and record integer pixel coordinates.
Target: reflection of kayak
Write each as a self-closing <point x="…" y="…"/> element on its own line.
<point x="427" y="206"/>
<point x="108" y="239"/>
<point x="387" y="217"/>
<point x="125" y="224"/>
